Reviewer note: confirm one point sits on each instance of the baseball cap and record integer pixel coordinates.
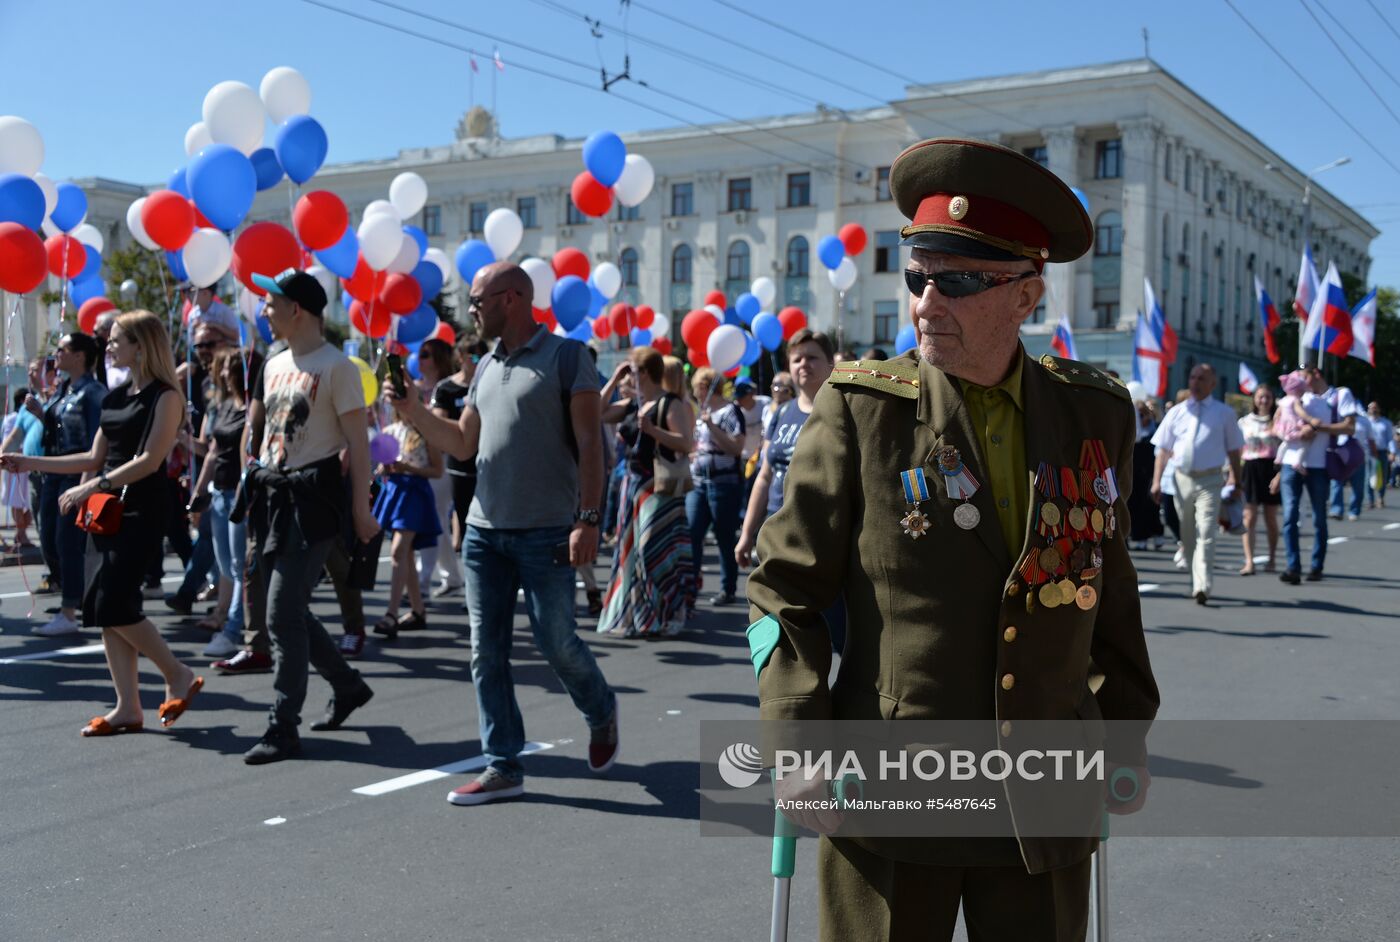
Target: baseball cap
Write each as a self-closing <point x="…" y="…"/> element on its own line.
<point x="300" y="287"/>
<point x="743" y="388"/>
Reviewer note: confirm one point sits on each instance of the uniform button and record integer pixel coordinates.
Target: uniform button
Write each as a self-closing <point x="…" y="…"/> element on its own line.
<point x="1010" y="635"/>
<point x="1008" y="681"/>
<point x="1005" y="728"/>
<point x="1004" y="503"/>
<point x="996" y="439"/>
<point x="1014" y="589"/>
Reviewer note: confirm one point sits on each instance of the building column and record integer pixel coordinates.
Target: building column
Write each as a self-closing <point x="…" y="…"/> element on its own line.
<point x="1141" y="225"/>
<point x="1062" y="159"/>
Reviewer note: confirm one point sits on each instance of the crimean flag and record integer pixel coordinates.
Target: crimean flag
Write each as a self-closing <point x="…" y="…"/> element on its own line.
<point x="1149" y="363"/>
<point x="1329" y="320"/>
<point x="1363" y="329"/>
<point x="1307" y="285"/>
<point x="500" y="66"/>
<point x="1248" y="381"/>
<point x="1063" y="340"/>
<point x="1268" y="319"/>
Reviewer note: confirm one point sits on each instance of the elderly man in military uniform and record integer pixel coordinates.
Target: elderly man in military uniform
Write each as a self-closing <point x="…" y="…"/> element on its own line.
<point x="970" y="504"/>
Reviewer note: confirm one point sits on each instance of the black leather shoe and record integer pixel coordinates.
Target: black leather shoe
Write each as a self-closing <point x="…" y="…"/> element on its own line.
<point x="1314" y="575"/>
<point x="1290" y="576"/>
<point x="277" y="744"/>
<point x="340" y="708"/>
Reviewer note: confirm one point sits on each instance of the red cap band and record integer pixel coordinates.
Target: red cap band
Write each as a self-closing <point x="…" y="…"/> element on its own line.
<point x="981" y="215"/>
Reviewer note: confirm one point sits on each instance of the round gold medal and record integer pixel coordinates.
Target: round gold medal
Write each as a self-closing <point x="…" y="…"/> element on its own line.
<point x="1086" y="597"/>
<point x="1050" y="595"/>
<point x="1050" y="559"/>
<point x="1096" y="520"/>
<point x="1050" y="514"/>
<point x="1078" y="520"/>
<point x="1066" y="587"/>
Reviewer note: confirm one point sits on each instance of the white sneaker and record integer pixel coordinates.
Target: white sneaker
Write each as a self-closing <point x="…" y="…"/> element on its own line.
<point x="60" y="625"/>
<point x="1353" y="517"/>
<point x="1180" y="558"/>
<point x="221" y="646"/>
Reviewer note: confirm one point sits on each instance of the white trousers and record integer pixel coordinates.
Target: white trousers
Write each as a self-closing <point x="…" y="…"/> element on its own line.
<point x="441" y="556"/>
<point x="1198" y="506"/>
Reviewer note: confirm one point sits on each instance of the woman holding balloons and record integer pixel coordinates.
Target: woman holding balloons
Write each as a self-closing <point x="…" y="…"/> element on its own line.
<point x="406" y="508"/>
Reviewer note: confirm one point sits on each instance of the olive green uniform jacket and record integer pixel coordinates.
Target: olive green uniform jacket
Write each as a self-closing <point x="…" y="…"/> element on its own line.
<point x="929" y="621"/>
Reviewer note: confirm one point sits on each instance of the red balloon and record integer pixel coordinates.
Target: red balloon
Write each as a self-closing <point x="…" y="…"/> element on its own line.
<point x="396" y="348"/>
<point x="320" y="219"/>
<point x="792" y="320"/>
<point x="366" y="283"/>
<point x="622" y="319"/>
<point x="696" y="328"/>
<point x="264" y="248"/>
<point x="602" y="328"/>
<point x="734" y="372"/>
<point x="374" y="324"/>
<point x="23" y="262"/>
<point x="545" y="316"/>
<point x="716" y="297"/>
<point x="168" y="219"/>
<point x="445" y="333"/>
<point x="88" y="313"/>
<point x="661" y="345"/>
<point x="401" y="293"/>
<point x="66" y="256"/>
<point x="853" y="237"/>
<point x="590" y="196"/>
<point x="643" y="316"/>
<point x="698" y="357"/>
<point x="570" y="261"/>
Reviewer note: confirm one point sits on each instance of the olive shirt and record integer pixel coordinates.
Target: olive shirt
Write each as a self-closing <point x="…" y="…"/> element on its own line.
<point x="940" y="628"/>
<point x="998" y="419"/>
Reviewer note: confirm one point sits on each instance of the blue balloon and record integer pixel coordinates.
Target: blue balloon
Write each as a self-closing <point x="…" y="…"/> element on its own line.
<point x="176" y="261"/>
<point x="429" y="278"/>
<point x="418" y="326"/>
<point x="342" y="257"/>
<point x="831" y="250"/>
<point x="71" y="207"/>
<point x="242" y="333"/>
<point x="731" y="316"/>
<point x="768" y="330"/>
<point x="178" y="182"/>
<point x="596" y="301"/>
<point x="604" y="155"/>
<point x="411" y="364"/>
<point x="267" y="168"/>
<point x="86" y="289"/>
<point x="419" y="236"/>
<point x="264" y="327"/>
<point x="582" y="333"/>
<point x="907" y="339"/>
<point x="21" y="201"/>
<point x="641" y="337"/>
<point x="472" y="256"/>
<point x="413" y="346"/>
<point x="752" y="351"/>
<point x="301" y="147"/>
<point x="570" y="300"/>
<point x="222" y="183"/>
<point x="92" y="265"/>
<point x="747" y="307"/>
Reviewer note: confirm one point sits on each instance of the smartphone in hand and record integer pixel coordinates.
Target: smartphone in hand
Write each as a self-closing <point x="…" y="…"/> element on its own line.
<point x="396" y="375"/>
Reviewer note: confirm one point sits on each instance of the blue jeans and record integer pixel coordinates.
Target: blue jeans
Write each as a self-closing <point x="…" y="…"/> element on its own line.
<point x="498" y="564"/>
<point x="715" y="503"/>
<point x="1292" y="487"/>
<point x="1357" y="483"/>
<point x="201" y="562"/>
<point x="59" y="535"/>
<point x="230" y="547"/>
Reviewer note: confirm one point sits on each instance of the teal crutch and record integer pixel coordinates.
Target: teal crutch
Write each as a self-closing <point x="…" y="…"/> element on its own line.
<point x="1100" y="861"/>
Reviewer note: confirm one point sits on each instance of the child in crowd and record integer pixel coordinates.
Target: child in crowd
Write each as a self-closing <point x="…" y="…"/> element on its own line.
<point x="407" y="508"/>
<point x="1291" y="424"/>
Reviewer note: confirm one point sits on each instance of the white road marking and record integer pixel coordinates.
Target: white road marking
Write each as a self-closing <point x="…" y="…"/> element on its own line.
<point x="1337" y="539"/>
<point x="673" y="712"/>
<point x="275" y="821"/>
<point x="1391" y="526"/>
<point x="1147" y="587"/>
<point x="46" y="655"/>
<point x="442" y="771"/>
<point x="1262" y="559"/>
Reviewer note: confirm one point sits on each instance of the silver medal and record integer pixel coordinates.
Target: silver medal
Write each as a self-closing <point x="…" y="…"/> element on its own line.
<point x="967" y="516"/>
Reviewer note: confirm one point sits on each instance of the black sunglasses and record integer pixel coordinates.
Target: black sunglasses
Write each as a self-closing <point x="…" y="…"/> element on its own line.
<point x="477" y="300"/>
<point x="206" y="345"/>
<point x="960" y="284"/>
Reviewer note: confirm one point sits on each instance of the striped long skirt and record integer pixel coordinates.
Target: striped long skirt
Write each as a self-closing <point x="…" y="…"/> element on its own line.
<point x="652" y="588"/>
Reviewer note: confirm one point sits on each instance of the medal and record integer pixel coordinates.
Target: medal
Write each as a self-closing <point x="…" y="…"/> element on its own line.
<point x="1078" y="519"/>
<point x="1111" y="523"/>
<point x="967" y="516"/>
<point x="1049" y="519"/>
<point x="961" y="486"/>
<point x="915" y="522"/>
<point x="1050" y="595"/>
<point x="1101" y="489"/>
<point x="1096" y="557"/>
<point x="1088" y="574"/>
<point x="1096" y="521"/>
<point x="1050" y="559"/>
<point x="1086" y="597"/>
<point x="1066" y="587"/>
<point x="1045" y="483"/>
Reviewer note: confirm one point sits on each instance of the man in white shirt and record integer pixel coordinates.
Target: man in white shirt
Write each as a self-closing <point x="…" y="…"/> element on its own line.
<point x="1201" y="435"/>
<point x="1378" y="455"/>
<point x="753" y="406"/>
<point x="1348" y="419"/>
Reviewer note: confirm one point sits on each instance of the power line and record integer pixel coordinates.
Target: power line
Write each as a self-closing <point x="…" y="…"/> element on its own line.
<point x="1383" y="19"/>
<point x="1313" y="88"/>
<point x="1361" y="75"/>
<point x="1343" y="28"/>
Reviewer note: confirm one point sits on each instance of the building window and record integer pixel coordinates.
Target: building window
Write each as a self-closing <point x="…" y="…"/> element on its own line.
<point x="796" y="287"/>
<point x="1186" y="174"/>
<point x="680" y="264"/>
<point x="1164" y="285"/>
<point x="627" y="264"/>
<point x="736" y="269"/>
<point x="1038" y="315"/>
<point x="886" y="321"/>
<point x="1205" y="184"/>
<point x="1167" y="164"/>
<point x="1038" y="153"/>
<point x="476" y="216"/>
<point x="799" y="189"/>
<point x="573" y="216"/>
<point x="525" y="209"/>
<point x="882" y="184"/>
<point x="628" y="213"/>
<point x="887" y="250"/>
<point x="432" y="220"/>
<point x="1105" y="306"/>
<point x="1108" y="159"/>
<point x="740" y="194"/>
<point x="1205" y="279"/>
<point x="1108" y="234"/>
<point x="682" y="199"/>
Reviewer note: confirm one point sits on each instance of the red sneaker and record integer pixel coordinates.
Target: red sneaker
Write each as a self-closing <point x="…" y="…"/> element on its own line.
<point x="351" y="646"/>
<point x="245" y="662"/>
<point x="488" y="786"/>
<point x="603" y="746"/>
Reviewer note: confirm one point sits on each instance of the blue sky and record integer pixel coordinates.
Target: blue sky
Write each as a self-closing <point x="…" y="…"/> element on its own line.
<point x="113" y="86"/>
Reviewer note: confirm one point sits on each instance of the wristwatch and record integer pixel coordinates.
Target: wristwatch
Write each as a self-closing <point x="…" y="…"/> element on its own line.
<point x="589" y="518"/>
<point x="103" y="484"/>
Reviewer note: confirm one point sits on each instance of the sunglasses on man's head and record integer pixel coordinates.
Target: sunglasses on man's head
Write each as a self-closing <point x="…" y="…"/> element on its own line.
<point x="960" y="284"/>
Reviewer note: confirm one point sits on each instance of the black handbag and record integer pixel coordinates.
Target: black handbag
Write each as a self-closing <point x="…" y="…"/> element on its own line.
<point x="364" y="562"/>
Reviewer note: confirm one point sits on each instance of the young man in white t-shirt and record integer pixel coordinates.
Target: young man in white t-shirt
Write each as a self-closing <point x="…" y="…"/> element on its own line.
<point x="310" y="405"/>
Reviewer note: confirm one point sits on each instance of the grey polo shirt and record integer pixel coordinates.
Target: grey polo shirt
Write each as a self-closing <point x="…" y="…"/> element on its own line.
<point x="526" y="472"/>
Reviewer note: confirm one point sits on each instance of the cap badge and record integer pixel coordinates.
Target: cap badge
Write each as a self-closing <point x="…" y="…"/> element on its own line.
<point x="957" y="207"/>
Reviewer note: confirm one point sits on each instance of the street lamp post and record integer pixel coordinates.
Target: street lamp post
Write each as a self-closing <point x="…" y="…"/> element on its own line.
<point x="1307" y="230"/>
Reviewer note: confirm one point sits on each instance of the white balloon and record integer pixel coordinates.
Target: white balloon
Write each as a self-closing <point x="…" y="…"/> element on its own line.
<point x="207" y="256"/>
<point x="660" y="325"/>
<point x="329" y="283"/>
<point x="381" y="207"/>
<point x="726" y="347"/>
<point x="408" y="193"/>
<point x="541" y="276"/>
<point x="765" y="290"/>
<point x="133" y="223"/>
<point x="717" y="311"/>
<point x="50" y="192"/>
<point x="197" y="138"/>
<point x="21" y="146"/>
<point x="843" y="275"/>
<point x="234" y="114"/>
<point x="128" y="290"/>
<point x="607" y="279"/>
<point x="1137" y="390"/>
<point x="636" y="181"/>
<point x="439" y="258"/>
<point x="49" y="229"/>
<point x="284" y="92"/>
<point x="381" y="237"/>
<point x="88" y="234"/>
<point x="503" y="231"/>
<point x="249" y="304"/>
<point x="408" y="256"/>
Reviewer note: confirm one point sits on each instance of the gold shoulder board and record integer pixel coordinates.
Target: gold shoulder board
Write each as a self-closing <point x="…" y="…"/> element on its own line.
<point x="898" y="377"/>
<point x="1082" y="374"/>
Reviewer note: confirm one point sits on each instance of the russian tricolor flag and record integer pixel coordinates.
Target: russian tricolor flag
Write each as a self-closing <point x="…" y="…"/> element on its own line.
<point x="1306" y="293"/>
<point x="1329" y="321"/>
<point x="1063" y="340"/>
<point x="1268" y="319"/>
<point x="1248" y="381"/>
<point x="1363" y="329"/>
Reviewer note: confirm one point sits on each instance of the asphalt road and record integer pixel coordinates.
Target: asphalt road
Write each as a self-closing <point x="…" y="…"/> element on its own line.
<point x="167" y="834"/>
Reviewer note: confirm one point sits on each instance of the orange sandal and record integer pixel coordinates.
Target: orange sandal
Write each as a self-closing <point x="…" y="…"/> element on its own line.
<point x="99" y="726"/>
<point x="171" y="710"/>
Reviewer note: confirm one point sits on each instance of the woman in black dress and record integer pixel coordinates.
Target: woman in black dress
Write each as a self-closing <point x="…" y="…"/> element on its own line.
<point x="140" y="420"/>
